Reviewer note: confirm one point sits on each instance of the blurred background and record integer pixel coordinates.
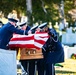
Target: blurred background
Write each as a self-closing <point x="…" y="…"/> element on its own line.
<point x="59" y="14"/>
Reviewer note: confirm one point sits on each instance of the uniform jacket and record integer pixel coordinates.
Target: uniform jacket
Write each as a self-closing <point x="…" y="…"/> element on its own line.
<point x="6" y="33"/>
<point x="54" y="51"/>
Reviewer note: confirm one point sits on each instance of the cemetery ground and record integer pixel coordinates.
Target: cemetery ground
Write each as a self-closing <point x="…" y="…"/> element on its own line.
<point x="69" y="67"/>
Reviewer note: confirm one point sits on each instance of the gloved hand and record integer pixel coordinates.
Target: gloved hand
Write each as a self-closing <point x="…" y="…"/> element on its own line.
<point x="29" y="32"/>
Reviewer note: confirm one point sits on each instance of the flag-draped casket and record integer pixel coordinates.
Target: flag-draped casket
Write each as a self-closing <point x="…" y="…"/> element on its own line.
<point x="28" y="46"/>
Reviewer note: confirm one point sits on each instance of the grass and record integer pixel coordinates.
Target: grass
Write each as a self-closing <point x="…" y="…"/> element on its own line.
<point x="69" y="67"/>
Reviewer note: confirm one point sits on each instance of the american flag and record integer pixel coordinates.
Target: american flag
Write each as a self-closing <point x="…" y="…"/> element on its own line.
<point x="36" y="40"/>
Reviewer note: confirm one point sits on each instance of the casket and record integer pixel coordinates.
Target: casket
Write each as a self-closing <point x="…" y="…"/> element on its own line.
<point x="28" y="46"/>
<point x="26" y="53"/>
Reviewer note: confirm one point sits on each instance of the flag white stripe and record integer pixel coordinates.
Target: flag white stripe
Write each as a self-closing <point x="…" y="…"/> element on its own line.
<point x="43" y="34"/>
<point x="38" y="45"/>
<point x="22" y="42"/>
<point x="39" y="38"/>
<point x="20" y="36"/>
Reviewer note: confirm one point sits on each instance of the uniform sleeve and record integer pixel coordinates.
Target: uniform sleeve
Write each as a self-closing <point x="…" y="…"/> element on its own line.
<point x="17" y="31"/>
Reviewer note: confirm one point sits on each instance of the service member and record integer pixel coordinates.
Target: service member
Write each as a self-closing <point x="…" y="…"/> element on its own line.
<point x="40" y="62"/>
<point x="6" y="32"/>
<point x="53" y="53"/>
<point x="28" y="65"/>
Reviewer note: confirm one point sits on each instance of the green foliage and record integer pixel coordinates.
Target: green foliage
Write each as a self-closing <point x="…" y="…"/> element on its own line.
<point x="68" y="6"/>
<point x="51" y="6"/>
<point x="40" y="15"/>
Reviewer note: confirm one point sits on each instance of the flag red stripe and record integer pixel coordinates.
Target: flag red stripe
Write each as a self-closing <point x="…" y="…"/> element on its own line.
<point x="22" y="45"/>
<point x="22" y="38"/>
<point x="39" y="41"/>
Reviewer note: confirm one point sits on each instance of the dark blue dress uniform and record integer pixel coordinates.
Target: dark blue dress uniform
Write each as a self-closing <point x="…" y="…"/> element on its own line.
<point x="53" y="52"/>
<point x="29" y="65"/>
<point x="40" y="62"/>
<point x="6" y="33"/>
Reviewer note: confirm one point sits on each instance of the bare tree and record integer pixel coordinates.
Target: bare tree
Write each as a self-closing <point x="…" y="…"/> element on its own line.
<point x="43" y="6"/>
<point x="61" y="13"/>
<point x="29" y="11"/>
